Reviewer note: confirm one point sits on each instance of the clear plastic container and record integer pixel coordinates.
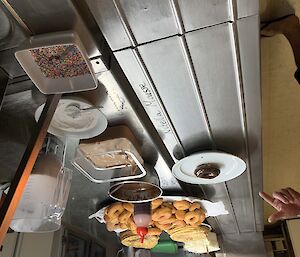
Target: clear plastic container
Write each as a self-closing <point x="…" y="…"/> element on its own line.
<point x="129" y="169"/>
<point x="109" y="161"/>
<point x="46" y="193"/>
<point x="97" y="153"/>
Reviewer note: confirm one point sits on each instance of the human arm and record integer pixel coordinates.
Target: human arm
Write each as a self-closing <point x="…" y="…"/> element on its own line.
<point x="286" y="202"/>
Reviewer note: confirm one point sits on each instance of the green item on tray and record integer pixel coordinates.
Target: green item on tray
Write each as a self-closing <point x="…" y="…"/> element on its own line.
<point x="165" y="246"/>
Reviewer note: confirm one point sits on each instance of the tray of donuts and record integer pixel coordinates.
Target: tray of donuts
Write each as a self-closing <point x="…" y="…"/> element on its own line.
<point x="167" y="212"/>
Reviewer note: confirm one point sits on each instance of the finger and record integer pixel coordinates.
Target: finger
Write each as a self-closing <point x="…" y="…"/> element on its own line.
<point x="287" y="194"/>
<point x="269" y="199"/>
<point x="277" y="204"/>
<point x="276" y="216"/>
<point x="293" y="193"/>
<point x="281" y="197"/>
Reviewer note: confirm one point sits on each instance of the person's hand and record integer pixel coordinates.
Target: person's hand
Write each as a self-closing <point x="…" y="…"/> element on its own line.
<point x="288" y="195"/>
<point x="285" y="209"/>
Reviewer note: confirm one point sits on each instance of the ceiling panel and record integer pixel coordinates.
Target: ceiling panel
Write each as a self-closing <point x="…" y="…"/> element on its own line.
<point x="144" y="88"/>
<point x="220" y="89"/>
<point x="149" y="20"/>
<point x="202" y="13"/>
<point x="167" y="66"/>
<point x="218" y="83"/>
<point x="249" y="45"/>
<point x="109" y="21"/>
<point x="247" y="8"/>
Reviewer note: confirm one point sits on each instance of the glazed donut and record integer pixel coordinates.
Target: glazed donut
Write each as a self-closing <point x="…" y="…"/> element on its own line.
<point x="194" y="206"/>
<point x="128" y="207"/>
<point x="162" y="214"/>
<point x="191" y="217"/>
<point x="156" y="203"/>
<point x="115" y="210"/>
<point x="124" y="216"/>
<point x="164" y="227"/>
<point x="182" y="205"/>
<point x="168" y="221"/>
<point x="154" y="232"/>
<point x="178" y="224"/>
<point x="180" y="215"/>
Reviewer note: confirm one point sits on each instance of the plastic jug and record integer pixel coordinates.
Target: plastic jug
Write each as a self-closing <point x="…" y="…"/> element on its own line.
<point x="45" y="196"/>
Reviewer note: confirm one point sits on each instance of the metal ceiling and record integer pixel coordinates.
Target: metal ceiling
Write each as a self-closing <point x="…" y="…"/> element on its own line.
<point x="192" y="83"/>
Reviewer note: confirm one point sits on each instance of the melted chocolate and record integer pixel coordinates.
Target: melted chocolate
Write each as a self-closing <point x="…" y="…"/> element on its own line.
<point x="207" y="171"/>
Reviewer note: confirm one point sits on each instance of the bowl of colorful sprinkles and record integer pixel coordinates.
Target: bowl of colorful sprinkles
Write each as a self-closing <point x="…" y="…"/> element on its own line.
<point x="57" y="63"/>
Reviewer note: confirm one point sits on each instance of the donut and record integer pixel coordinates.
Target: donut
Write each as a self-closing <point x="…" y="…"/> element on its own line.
<point x="178" y="224"/>
<point x="173" y="209"/>
<point x="123" y="226"/>
<point x="131" y="225"/>
<point x="201" y="214"/>
<point x="111" y="226"/>
<point x="115" y="210"/>
<point x="180" y="215"/>
<point x="191" y="217"/>
<point x="164" y="227"/>
<point x="194" y="206"/>
<point x="162" y="214"/>
<point x="154" y="232"/>
<point x="182" y="205"/>
<point x="168" y="221"/>
<point x="156" y="203"/>
<point x="198" y="223"/>
<point x="124" y="216"/>
<point x="167" y="204"/>
<point x="113" y="220"/>
<point x="128" y="207"/>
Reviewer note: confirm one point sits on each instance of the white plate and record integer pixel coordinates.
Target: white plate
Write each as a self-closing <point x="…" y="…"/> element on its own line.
<point x="230" y="167"/>
<point x="76" y="127"/>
